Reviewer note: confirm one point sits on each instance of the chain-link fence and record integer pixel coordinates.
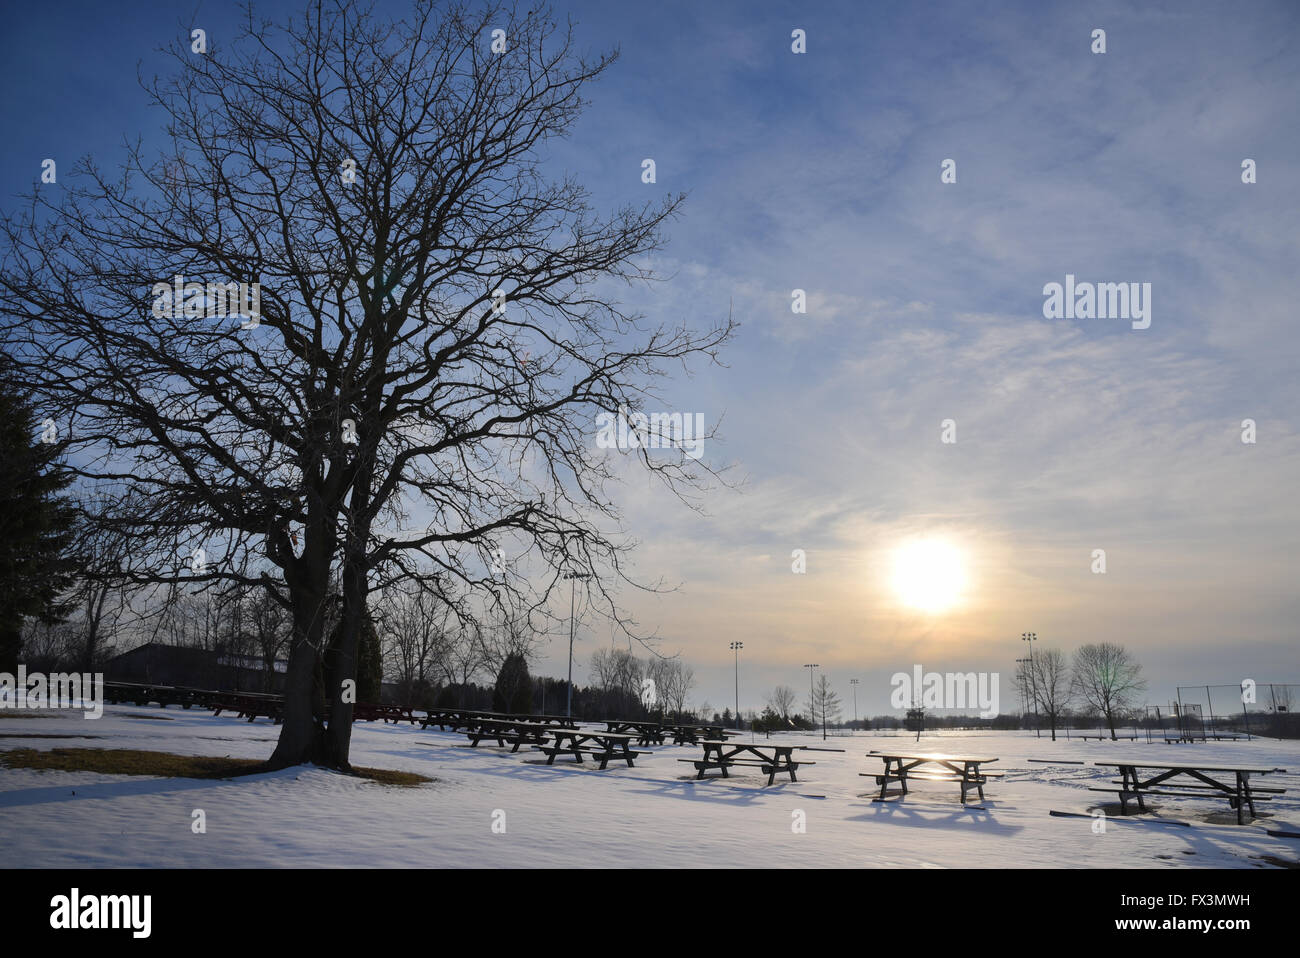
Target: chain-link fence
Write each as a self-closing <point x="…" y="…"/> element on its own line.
<point x="1244" y="708"/>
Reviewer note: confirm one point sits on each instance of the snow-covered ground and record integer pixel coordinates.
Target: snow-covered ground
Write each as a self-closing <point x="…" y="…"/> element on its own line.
<point x="570" y="815"/>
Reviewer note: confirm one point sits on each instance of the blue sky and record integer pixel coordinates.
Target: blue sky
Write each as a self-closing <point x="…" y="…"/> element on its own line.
<point x="821" y="172"/>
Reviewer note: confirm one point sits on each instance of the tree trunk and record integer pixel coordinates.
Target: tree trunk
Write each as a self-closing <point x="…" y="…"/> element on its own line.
<point x="345" y="665"/>
<point x="94" y="614"/>
<point x="302" y="734"/>
<point x="355" y="590"/>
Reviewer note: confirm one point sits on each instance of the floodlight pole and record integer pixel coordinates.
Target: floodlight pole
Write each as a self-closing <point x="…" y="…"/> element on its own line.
<point x="1031" y="638"/>
<point x="573" y="587"/>
<point x="812" y="695"/>
<point x="1023" y="703"/>
<point x="854" y="683"/>
<point x="736" y="647"/>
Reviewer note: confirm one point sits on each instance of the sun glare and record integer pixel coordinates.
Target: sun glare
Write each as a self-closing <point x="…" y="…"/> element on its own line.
<point x="929" y="575"/>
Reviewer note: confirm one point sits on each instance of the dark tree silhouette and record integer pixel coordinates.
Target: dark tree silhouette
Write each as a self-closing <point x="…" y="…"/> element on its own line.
<point x="1107" y="679"/>
<point x="36" y="523"/>
<point x="434" y="333"/>
<point x="514" y="688"/>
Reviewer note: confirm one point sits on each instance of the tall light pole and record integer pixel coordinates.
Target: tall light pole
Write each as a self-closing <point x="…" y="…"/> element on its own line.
<point x="573" y="578"/>
<point x="812" y="695"/>
<point x="1031" y="638"/>
<point x="854" y="683"/>
<point x="1023" y="702"/>
<point x="736" y="647"/>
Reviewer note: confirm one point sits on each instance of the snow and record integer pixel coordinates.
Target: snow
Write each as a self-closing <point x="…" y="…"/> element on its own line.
<point x="567" y="815"/>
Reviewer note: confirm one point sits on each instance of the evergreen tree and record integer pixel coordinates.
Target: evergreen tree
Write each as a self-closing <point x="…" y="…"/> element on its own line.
<point x="35" y="523"/>
<point x="514" y="688"/>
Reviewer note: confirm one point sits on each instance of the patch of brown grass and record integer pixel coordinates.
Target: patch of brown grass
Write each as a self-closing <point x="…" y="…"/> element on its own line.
<point x="129" y="761"/>
<point x="386" y="776"/>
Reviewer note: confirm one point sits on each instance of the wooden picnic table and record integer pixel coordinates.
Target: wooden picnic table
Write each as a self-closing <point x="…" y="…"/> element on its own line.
<point x="250" y="705"/>
<point x="369" y="711"/>
<point x="451" y="718"/>
<point x="647" y="733"/>
<point x="142" y="693"/>
<point x="1240" y="793"/>
<point x="963" y="769"/>
<point x="605" y="746"/>
<point x="516" y="733"/>
<point x="770" y="758"/>
<point x="695" y="734"/>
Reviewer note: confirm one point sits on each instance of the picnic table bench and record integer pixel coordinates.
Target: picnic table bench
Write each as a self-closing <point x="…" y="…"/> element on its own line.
<point x="453" y="719"/>
<point x="369" y="712"/>
<point x="696" y="734"/>
<point x="647" y="733"/>
<point x="1240" y="793"/>
<point x="769" y="758"/>
<point x="962" y="769"/>
<point x="443" y="718"/>
<point x="503" y="732"/>
<point x="605" y="746"/>
<point x="250" y="706"/>
<point x="142" y="693"/>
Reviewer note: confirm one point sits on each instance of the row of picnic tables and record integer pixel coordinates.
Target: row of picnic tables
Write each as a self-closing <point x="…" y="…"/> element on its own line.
<point x="1139" y="780"/>
<point x="655" y="733"/>
<point x="556" y="735"/>
<point x="551" y="735"/>
<point x="970" y="773"/>
<point x="249" y="705"/>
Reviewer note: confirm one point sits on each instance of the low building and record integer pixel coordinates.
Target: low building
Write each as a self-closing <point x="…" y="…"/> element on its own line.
<point x="159" y="664"/>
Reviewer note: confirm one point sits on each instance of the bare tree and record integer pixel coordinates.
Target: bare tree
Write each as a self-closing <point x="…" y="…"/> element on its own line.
<point x="269" y="625"/>
<point x="679" y="690"/>
<point x="1108" y="679"/>
<point x="618" y="674"/>
<point x="1051" y="680"/>
<point x="781" y="700"/>
<point x="429" y="333"/>
<point x="461" y="657"/>
<point x="416" y="628"/>
<point x="102" y="590"/>
<point x="506" y="634"/>
<point x="825" y="701"/>
<point x="51" y="646"/>
<point x="673" y="681"/>
<point x="616" y="670"/>
<point x="1023" y="681"/>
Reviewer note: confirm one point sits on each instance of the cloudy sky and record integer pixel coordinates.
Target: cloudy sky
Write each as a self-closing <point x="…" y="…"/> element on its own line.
<point x="821" y="171"/>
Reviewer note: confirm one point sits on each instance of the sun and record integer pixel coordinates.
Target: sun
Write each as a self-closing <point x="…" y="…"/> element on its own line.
<point x="929" y="575"/>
